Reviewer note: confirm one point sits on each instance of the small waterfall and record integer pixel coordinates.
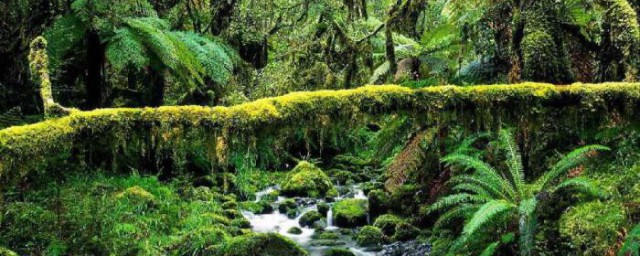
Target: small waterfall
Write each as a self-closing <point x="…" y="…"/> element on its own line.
<point x="330" y="217"/>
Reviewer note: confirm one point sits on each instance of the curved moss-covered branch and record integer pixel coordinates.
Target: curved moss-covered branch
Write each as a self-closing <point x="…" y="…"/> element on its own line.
<point x="39" y="65"/>
<point x="22" y="148"/>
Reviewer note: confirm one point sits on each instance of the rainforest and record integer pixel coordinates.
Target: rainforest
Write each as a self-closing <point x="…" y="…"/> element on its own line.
<point x="320" y="127"/>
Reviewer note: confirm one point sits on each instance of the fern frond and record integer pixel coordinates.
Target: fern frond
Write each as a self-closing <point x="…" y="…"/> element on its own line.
<point x="456" y="199"/>
<point x="582" y="185"/>
<point x="571" y="160"/>
<point x="487" y="215"/>
<point x="631" y="246"/>
<point x="484" y="171"/>
<point x="514" y="160"/>
<point x="491" y="249"/>
<point x="462" y="211"/>
<point x="495" y="189"/>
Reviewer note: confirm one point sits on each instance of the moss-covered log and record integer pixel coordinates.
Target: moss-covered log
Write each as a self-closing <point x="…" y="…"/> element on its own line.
<point x="24" y="149"/>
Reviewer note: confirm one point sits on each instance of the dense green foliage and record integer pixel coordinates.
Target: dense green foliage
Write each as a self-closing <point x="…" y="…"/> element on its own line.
<point x="182" y="127"/>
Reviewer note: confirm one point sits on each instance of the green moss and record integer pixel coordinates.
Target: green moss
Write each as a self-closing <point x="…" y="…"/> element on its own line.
<point x="388" y="223"/>
<point x="259" y="244"/>
<point x="378" y="202"/>
<point x="261" y="207"/>
<point x="306" y="180"/>
<point x="309" y="218"/>
<point x="287" y="205"/>
<point x="323" y="208"/>
<point x="338" y="252"/>
<point x="137" y="195"/>
<point x="201" y="241"/>
<point x="7" y="252"/>
<point x="405" y="232"/>
<point x="350" y="212"/>
<point x="369" y="236"/>
<point x="593" y="227"/>
<point x="295" y="231"/>
<point x="24" y="148"/>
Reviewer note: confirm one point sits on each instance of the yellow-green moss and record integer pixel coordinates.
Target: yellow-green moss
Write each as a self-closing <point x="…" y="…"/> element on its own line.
<point x="22" y="148"/>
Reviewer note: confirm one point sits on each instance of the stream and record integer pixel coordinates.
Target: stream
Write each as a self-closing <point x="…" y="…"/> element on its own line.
<point x="281" y="223"/>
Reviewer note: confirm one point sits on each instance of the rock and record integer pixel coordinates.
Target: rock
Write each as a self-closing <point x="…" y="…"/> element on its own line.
<point x="405" y="232"/>
<point x="328" y="236"/>
<point x="229" y="205"/>
<point x="270" y="244"/>
<point x="378" y="202"/>
<point x="309" y="218"/>
<point x="241" y="223"/>
<point x="412" y="248"/>
<point x="271" y="196"/>
<point x="338" y="252"/>
<point x="292" y="214"/>
<point x="328" y="243"/>
<point x="306" y="180"/>
<point x="287" y="205"/>
<point x="342" y="177"/>
<point x="261" y="207"/>
<point x="323" y="208"/>
<point x="369" y="236"/>
<point x="232" y="214"/>
<point x="350" y="213"/>
<point x="294" y="230"/>
<point x="370" y="186"/>
<point x="388" y="223"/>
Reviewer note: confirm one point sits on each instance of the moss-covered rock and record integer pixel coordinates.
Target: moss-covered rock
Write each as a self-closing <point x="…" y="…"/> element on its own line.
<point x="350" y="212"/>
<point x="338" y="252"/>
<point x="378" y="202"/>
<point x="323" y="208"/>
<point x="203" y="241"/>
<point x="294" y="230"/>
<point x="261" y="207"/>
<point x="369" y="236"/>
<point x="328" y="243"/>
<point x="309" y="218"/>
<point x="306" y="180"/>
<point x="241" y="223"/>
<point x="230" y="205"/>
<point x="406" y="232"/>
<point x="388" y="223"/>
<point x="259" y="244"/>
<point x="287" y="205"/>
<point x="342" y="177"/>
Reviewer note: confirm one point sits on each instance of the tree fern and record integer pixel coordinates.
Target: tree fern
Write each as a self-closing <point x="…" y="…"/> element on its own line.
<point x="496" y="197"/>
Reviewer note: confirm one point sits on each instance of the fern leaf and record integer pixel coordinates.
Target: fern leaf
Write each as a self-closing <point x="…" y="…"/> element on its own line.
<point x="484" y="171"/>
<point x="456" y="199"/>
<point x="514" y="160"/>
<point x="571" y="160"/>
<point x="487" y="215"/>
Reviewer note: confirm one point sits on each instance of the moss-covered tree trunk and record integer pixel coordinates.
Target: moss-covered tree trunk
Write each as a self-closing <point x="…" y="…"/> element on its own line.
<point x="544" y="57"/>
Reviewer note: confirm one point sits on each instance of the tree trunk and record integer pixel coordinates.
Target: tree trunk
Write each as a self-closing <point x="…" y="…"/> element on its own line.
<point x="94" y="83"/>
<point x="156" y="88"/>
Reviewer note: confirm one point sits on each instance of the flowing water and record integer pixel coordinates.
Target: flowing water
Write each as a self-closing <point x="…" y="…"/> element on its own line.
<point x="280" y="223"/>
